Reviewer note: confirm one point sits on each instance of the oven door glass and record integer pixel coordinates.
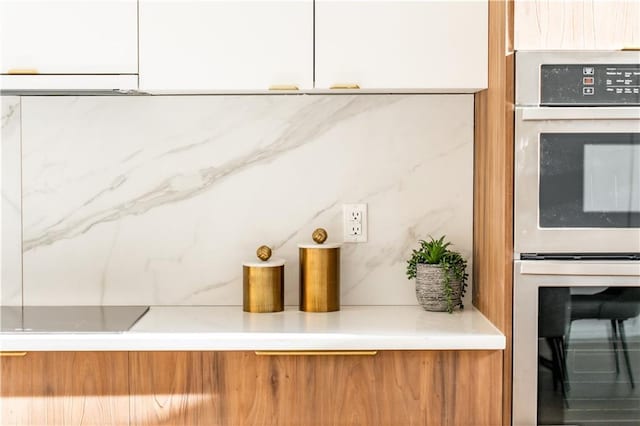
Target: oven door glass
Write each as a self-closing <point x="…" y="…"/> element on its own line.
<point x="589" y="356"/>
<point x="589" y="180"/>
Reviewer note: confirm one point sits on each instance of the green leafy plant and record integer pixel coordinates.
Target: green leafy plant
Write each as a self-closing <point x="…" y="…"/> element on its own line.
<point x="436" y="252"/>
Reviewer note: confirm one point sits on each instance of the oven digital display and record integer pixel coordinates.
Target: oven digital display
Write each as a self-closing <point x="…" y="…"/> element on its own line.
<point x="590" y="85"/>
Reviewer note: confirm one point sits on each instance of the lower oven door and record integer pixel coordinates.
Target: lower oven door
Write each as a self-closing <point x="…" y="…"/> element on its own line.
<point x="577" y="180"/>
<point x="576" y="343"/>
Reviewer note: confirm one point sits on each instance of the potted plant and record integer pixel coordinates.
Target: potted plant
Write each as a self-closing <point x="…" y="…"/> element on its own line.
<point x="441" y="277"/>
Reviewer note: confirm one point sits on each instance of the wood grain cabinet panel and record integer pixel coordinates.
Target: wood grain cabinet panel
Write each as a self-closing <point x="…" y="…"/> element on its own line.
<point x="390" y="388"/>
<point x="577" y="24"/>
<point x="166" y="389"/>
<point x="493" y="188"/>
<point x="338" y="390"/>
<point x="64" y="388"/>
<point x="246" y="389"/>
<point x="242" y="388"/>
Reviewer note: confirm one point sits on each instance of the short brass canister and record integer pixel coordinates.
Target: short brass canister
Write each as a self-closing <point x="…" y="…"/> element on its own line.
<point x="319" y="277"/>
<point x="263" y="284"/>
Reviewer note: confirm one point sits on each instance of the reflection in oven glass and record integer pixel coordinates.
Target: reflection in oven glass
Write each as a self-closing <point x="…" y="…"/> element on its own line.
<point x="589" y="356"/>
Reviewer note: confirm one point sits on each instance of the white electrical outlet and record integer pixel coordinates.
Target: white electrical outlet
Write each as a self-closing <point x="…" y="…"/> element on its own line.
<point x="354" y="229"/>
<point x="354" y="223"/>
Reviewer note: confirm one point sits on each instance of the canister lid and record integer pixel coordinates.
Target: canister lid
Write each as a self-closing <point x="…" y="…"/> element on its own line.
<point x="319" y="236"/>
<point x="264" y="254"/>
<point x="271" y="263"/>
<point x="320" y="246"/>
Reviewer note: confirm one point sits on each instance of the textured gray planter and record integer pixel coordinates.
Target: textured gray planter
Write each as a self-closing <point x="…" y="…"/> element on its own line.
<point x="430" y="288"/>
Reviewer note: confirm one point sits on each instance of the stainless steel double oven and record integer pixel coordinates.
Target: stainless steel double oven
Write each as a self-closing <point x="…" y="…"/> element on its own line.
<point x="576" y="330"/>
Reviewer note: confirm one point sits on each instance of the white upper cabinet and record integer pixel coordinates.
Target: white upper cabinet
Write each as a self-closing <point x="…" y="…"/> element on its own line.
<point x="225" y="45"/>
<point x="43" y="43"/>
<point x="219" y="46"/>
<point x="404" y="45"/>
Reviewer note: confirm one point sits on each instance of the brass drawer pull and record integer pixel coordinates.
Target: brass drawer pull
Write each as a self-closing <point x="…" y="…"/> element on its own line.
<point x="283" y="87"/>
<point x="345" y="86"/>
<point x="12" y="354"/>
<point x="317" y="353"/>
<point x="23" y="71"/>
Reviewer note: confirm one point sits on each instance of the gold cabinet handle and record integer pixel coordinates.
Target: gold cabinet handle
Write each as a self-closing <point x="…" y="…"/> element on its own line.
<point x="345" y="86"/>
<point x="283" y="87"/>
<point x="12" y="354"/>
<point x="23" y="71"/>
<point x="317" y="353"/>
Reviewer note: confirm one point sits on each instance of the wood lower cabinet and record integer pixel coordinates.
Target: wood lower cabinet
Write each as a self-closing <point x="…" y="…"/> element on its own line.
<point x="167" y="389"/>
<point x="243" y="388"/>
<point x="64" y="388"/>
<point x="385" y="389"/>
<point x="390" y="388"/>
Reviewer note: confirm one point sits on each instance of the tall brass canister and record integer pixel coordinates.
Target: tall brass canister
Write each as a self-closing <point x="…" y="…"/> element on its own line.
<point x="263" y="283"/>
<point x="319" y="275"/>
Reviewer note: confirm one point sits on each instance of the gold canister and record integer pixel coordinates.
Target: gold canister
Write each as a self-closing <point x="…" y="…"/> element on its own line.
<point x="319" y="275"/>
<point x="263" y="283"/>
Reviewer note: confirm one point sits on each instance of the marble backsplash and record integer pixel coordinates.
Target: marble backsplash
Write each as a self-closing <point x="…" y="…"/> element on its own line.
<point x="158" y="200"/>
<point x="10" y="216"/>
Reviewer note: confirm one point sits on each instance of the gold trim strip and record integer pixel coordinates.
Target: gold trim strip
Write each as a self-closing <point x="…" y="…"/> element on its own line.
<point x="317" y="353"/>
<point x="23" y="71"/>
<point x="631" y="48"/>
<point x="345" y="86"/>
<point x="284" y="87"/>
<point x="13" y="353"/>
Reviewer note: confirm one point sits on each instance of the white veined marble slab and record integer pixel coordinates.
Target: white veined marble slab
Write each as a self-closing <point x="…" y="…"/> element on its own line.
<point x="227" y="328"/>
<point x="10" y="206"/>
<point x="158" y="200"/>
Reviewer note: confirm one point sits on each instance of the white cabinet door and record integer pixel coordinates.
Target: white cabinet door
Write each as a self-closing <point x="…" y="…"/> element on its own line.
<point x="404" y="45"/>
<point x="220" y="45"/>
<point x="69" y="36"/>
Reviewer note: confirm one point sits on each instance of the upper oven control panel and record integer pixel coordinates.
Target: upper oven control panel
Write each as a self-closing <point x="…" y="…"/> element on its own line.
<point x="589" y="84"/>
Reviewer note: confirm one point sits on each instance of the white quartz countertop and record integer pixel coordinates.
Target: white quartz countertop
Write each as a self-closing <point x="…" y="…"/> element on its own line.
<point x="228" y="328"/>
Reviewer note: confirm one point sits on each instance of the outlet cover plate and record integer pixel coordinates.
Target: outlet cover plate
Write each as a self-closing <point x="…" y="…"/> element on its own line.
<point x="354" y="223"/>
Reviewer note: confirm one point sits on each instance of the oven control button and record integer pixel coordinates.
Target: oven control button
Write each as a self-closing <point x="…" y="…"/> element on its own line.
<point x="588" y="70"/>
<point x="587" y="91"/>
<point x="587" y="81"/>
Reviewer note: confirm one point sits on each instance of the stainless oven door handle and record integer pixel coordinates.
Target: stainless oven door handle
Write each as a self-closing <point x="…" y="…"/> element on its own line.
<point x="630" y="269"/>
<point x="580" y="113"/>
